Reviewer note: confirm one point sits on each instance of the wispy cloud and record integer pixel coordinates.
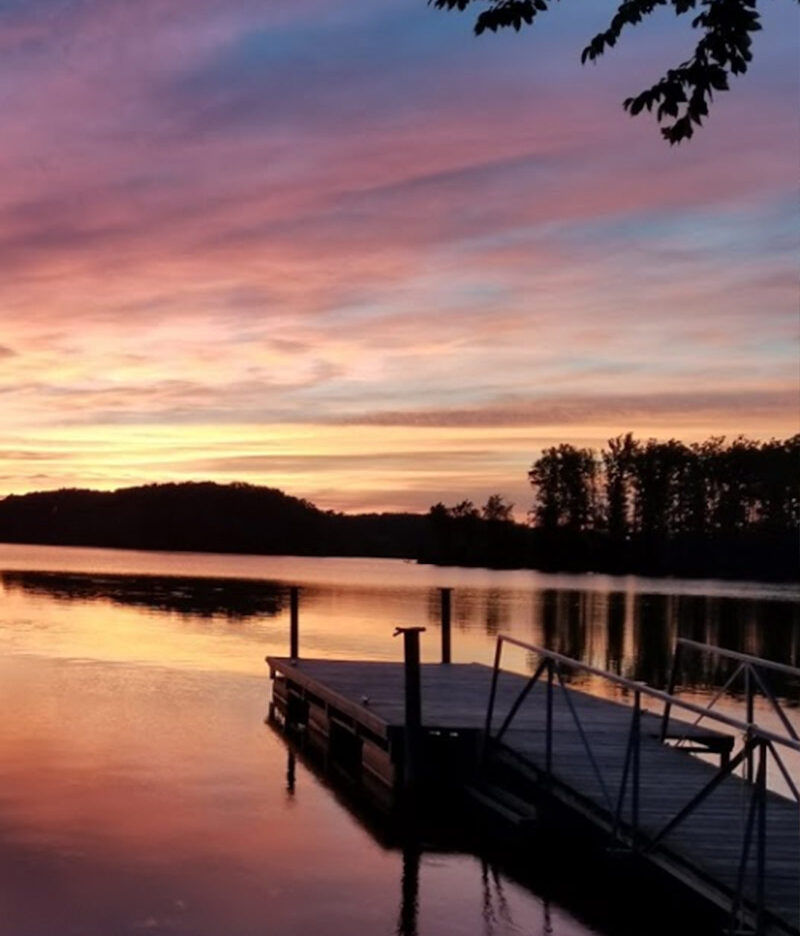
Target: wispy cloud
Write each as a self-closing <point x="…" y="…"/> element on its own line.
<point x="237" y="222"/>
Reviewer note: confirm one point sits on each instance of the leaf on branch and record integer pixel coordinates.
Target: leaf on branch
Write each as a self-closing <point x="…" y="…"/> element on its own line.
<point x="724" y="49"/>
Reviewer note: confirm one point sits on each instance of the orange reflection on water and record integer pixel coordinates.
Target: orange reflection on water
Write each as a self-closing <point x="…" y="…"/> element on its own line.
<point x="145" y="789"/>
<point x="136" y="798"/>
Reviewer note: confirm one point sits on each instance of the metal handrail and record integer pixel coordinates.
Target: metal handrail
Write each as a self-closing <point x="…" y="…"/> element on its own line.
<point x="660" y="695"/>
<point x="758" y="742"/>
<point x="749" y="667"/>
<point x="759" y="662"/>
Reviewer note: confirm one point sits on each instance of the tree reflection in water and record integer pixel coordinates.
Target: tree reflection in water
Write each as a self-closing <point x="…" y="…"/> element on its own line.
<point x="625" y="628"/>
<point x="202" y="597"/>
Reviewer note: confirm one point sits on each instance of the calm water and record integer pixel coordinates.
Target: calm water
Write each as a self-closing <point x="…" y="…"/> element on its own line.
<point x="140" y="790"/>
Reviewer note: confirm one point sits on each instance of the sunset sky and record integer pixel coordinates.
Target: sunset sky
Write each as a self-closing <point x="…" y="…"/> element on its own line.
<point x="352" y="251"/>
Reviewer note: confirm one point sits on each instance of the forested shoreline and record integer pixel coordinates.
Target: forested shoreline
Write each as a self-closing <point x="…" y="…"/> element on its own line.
<point x="714" y="508"/>
<point x="711" y="509"/>
<point x="205" y="517"/>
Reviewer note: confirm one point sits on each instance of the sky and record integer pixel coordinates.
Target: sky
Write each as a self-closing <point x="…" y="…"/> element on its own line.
<point x="357" y="253"/>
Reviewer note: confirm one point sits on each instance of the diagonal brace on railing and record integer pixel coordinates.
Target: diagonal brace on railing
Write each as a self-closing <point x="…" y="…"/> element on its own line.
<point x="585" y="740"/>
<point x="713" y="701"/>
<point x="623" y="786"/>
<point x="786" y="775"/>
<point x="705" y="792"/>
<point x="775" y="705"/>
<point x="754" y="669"/>
<point x="520" y="699"/>
<point x="632" y="753"/>
<point x="498" y="651"/>
<point x="755" y="801"/>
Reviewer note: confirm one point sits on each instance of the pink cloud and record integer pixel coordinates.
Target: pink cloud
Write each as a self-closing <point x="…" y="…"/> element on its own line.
<point x="194" y="228"/>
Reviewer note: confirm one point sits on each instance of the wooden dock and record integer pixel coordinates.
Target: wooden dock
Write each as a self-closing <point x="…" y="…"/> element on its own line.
<point x="732" y="842"/>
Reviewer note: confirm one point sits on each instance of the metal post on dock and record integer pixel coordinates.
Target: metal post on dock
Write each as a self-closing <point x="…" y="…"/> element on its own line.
<point x="294" y="614"/>
<point x="636" y="734"/>
<point x="413" y="704"/>
<point x="673" y="680"/>
<point x="761" y="854"/>
<point x="548" y="757"/>
<point x="446" y="594"/>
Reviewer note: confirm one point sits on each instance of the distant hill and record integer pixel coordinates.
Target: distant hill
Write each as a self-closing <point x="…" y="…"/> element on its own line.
<point x="205" y="517"/>
<point x="244" y="518"/>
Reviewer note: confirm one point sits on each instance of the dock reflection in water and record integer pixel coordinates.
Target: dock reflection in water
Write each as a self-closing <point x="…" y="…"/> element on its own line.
<point x="428" y="840"/>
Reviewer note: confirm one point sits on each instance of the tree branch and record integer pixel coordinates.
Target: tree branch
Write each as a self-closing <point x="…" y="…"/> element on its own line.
<point x="682" y="96"/>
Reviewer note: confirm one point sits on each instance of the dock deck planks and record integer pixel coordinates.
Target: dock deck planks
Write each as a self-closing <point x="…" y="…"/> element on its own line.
<point x="704" y="851"/>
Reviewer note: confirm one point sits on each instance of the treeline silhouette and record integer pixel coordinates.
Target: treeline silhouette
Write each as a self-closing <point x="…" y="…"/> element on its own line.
<point x="716" y="509"/>
<point x="713" y="509"/>
<point x="710" y="508"/>
<point x="468" y="536"/>
<point x="205" y="517"/>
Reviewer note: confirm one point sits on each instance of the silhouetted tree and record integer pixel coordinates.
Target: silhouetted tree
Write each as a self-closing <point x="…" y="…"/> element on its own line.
<point x="682" y="96"/>
<point x="464" y="535"/>
<point x="565" y="484"/>
<point x="657" y="469"/>
<point x="701" y="486"/>
<point x="779" y="484"/>
<point x="617" y="465"/>
<point x="737" y="472"/>
<point x="496" y="510"/>
<point x="465" y="510"/>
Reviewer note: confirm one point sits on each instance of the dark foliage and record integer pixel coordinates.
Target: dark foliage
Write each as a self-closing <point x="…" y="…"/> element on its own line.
<point x="682" y="96"/>
<point x="466" y="536"/>
<point x="667" y="508"/>
<point x="659" y="508"/>
<point x="205" y="517"/>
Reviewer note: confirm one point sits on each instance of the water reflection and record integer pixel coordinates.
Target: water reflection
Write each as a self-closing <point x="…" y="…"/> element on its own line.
<point x="409" y="890"/>
<point x="203" y="597"/>
<point x="426" y="842"/>
<point x="139" y="788"/>
<point x="134" y="798"/>
<point x="495" y="905"/>
<point x="630" y="632"/>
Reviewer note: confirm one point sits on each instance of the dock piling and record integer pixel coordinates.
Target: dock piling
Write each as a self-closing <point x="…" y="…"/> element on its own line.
<point x="413" y="704"/>
<point x="294" y="615"/>
<point x="413" y="695"/>
<point x="446" y="594"/>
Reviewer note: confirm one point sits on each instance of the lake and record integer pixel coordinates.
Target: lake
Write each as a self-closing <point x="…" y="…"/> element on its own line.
<point x="141" y="791"/>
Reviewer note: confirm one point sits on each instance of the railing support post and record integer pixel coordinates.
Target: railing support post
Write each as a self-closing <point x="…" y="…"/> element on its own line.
<point x="548" y="760"/>
<point x="636" y="741"/>
<point x="487" y="728"/>
<point x="761" y="854"/>
<point x="749" y="692"/>
<point x="673" y="679"/>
